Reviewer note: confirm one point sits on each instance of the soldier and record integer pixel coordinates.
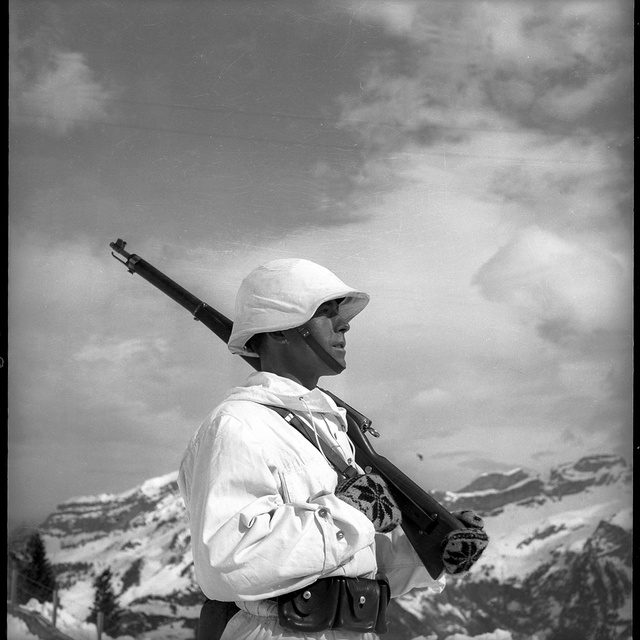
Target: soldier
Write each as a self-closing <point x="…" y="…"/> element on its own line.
<point x="275" y="528"/>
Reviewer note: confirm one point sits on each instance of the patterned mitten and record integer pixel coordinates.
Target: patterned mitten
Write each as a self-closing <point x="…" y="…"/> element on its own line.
<point x="463" y="547"/>
<point x="369" y="493"/>
<point x="470" y="518"/>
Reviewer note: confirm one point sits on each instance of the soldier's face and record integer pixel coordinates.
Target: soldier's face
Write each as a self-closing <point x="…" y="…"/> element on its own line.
<point x="301" y="361"/>
<point x="329" y="328"/>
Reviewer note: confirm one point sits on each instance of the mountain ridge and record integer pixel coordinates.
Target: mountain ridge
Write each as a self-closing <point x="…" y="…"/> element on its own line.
<point x="547" y="532"/>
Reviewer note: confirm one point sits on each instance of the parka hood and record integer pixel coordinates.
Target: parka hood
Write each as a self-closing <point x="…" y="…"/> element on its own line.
<point x="271" y="389"/>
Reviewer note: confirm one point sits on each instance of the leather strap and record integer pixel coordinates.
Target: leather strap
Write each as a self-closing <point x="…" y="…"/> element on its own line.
<point x="327" y="358"/>
<point x="329" y="451"/>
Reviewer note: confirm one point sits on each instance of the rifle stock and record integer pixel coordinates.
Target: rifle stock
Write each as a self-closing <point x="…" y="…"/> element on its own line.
<point x="424" y="520"/>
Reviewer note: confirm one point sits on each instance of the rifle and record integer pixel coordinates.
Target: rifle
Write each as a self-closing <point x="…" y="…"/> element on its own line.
<point x="424" y="520"/>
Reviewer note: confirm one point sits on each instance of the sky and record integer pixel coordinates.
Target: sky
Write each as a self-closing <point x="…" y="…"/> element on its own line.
<point x="468" y="163"/>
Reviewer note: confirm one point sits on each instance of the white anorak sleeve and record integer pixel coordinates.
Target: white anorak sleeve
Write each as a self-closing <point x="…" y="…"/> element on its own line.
<point x="249" y="542"/>
<point x="399" y="562"/>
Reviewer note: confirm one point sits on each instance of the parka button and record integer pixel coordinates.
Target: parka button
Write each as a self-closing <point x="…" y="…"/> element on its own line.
<point x="306" y="595"/>
<point x="322" y="512"/>
<point x="340" y="535"/>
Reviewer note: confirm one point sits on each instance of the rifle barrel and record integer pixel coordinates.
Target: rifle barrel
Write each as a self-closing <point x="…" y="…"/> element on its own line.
<point x="200" y="310"/>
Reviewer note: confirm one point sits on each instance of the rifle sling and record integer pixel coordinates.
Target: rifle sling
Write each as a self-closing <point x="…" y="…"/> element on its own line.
<point x="329" y="452"/>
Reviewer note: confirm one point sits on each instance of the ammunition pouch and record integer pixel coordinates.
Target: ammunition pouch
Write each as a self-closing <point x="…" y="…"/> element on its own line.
<point x="353" y="604"/>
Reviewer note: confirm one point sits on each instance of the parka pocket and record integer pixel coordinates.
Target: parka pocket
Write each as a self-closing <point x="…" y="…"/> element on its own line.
<point x="303" y="484"/>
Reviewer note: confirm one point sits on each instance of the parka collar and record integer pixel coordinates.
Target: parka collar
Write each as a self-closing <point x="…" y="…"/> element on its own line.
<point x="269" y="388"/>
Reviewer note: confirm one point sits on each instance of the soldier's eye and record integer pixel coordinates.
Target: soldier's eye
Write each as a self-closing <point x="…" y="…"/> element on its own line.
<point x="327" y="309"/>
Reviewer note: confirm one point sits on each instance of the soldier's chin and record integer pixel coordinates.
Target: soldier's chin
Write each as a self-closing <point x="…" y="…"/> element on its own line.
<point x="339" y="366"/>
<point x="341" y="360"/>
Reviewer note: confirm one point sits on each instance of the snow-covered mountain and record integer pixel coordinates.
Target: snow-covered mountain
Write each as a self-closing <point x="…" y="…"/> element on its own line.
<point x="558" y="566"/>
<point x="142" y="536"/>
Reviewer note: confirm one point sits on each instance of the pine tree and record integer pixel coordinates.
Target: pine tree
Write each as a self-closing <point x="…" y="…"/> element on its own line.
<point x="105" y="600"/>
<point x="36" y="574"/>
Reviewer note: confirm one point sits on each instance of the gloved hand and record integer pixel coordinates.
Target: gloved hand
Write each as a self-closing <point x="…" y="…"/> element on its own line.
<point x="369" y="493"/>
<point x="463" y="547"/>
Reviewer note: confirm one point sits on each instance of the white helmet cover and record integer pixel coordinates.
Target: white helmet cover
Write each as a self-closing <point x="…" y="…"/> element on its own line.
<point x="284" y="294"/>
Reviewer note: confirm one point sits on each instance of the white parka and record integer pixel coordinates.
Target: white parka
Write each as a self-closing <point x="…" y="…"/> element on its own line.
<point x="263" y="515"/>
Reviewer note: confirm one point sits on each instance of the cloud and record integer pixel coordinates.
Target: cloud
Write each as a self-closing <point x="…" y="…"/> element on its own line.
<point x="563" y="287"/>
<point x="62" y="96"/>
<point x="61" y="277"/>
<point x="495" y="64"/>
<point x="118" y="352"/>
<point x="485" y="465"/>
<point x="492" y="134"/>
<point x="90" y="370"/>
<point x="566" y="65"/>
<point x="432" y="396"/>
<point x="397" y="17"/>
<point x="492" y="127"/>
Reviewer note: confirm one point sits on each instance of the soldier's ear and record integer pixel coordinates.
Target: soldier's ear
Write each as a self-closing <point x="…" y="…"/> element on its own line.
<point x="255" y="342"/>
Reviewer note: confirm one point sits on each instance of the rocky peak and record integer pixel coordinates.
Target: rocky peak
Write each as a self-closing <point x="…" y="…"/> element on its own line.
<point x="110" y="512"/>
<point x="495" y="481"/>
<point x="613" y="540"/>
<point x="589" y="471"/>
<point x="490" y="492"/>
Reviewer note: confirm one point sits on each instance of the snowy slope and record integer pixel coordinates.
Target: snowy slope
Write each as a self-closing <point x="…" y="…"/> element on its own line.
<point x="559" y="560"/>
<point x="142" y="536"/>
